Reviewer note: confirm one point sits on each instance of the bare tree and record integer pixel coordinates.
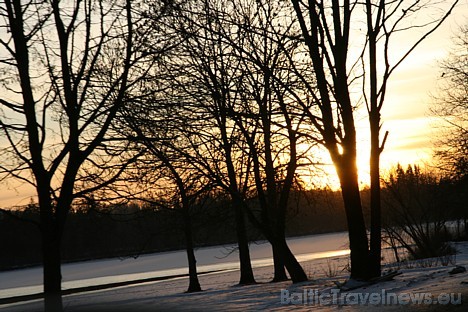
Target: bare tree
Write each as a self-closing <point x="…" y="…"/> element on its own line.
<point x="241" y="60"/>
<point x="452" y="106"/>
<point x="201" y="74"/>
<point x="383" y="22"/>
<point x="327" y="29"/>
<point x="269" y="122"/>
<point x="166" y="179"/>
<point x="66" y="68"/>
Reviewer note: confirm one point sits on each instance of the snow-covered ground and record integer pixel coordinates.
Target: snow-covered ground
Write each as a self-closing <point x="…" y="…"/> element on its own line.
<point x="424" y="281"/>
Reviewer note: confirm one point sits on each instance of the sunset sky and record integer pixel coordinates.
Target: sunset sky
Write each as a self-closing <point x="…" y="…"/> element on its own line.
<point x="405" y="114"/>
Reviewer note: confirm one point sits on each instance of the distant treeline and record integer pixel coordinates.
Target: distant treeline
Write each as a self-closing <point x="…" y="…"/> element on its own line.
<point x="100" y="231"/>
<point x="130" y="230"/>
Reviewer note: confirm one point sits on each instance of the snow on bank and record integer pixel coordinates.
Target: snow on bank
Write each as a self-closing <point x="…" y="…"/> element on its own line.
<point x="220" y="295"/>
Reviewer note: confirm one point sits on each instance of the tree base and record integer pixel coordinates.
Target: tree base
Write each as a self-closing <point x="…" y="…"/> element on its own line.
<point x="279" y="279"/>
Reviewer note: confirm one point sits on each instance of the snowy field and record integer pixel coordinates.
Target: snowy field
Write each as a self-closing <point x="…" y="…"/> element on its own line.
<point x="417" y="288"/>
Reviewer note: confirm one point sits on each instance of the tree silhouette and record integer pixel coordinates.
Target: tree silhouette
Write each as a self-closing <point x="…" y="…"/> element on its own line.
<point x="249" y="130"/>
<point x="65" y="72"/>
<point x="327" y="29"/>
<point x="452" y="106"/>
<point x="164" y="176"/>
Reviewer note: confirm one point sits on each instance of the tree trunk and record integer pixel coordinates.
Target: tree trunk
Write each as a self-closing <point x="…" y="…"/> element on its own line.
<point x="278" y="256"/>
<point x="194" y="284"/>
<point x="358" y="242"/>
<point x="375" y="204"/>
<point x="465" y="224"/>
<point x="374" y="123"/>
<point x="278" y="264"/>
<point x="51" y="249"/>
<point x="246" y="272"/>
<point x="295" y="270"/>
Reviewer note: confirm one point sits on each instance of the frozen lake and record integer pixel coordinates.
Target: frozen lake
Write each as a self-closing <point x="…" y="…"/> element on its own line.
<point x="106" y="271"/>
